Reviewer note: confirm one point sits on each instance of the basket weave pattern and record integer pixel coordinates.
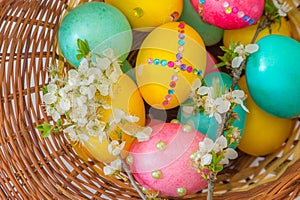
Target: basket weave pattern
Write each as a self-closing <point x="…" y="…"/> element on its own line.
<point x="35" y="168"/>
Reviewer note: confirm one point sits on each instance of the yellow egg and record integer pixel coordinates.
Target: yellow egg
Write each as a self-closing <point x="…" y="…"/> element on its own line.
<point x="245" y="35"/>
<point x="127" y="98"/>
<point x="263" y="133"/>
<point x="145" y="13"/>
<point x="166" y="65"/>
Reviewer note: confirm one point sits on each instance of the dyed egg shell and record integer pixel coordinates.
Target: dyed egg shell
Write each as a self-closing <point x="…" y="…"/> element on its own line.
<point x="202" y="122"/>
<point x="102" y="25"/>
<point x="210" y="34"/>
<point x="272" y="75"/>
<point x="168" y="63"/>
<point x="245" y="35"/>
<point x="127" y="98"/>
<point x="144" y="13"/>
<point x="163" y="163"/>
<point x="263" y="133"/>
<point x="229" y="14"/>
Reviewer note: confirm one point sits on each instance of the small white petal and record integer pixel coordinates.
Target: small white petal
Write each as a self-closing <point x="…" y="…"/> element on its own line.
<point x="218" y="117"/>
<point x="231" y="153"/>
<point x="203" y="90"/>
<point x="236" y="62"/>
<point x="49" y="98"/>
<point x="196" y="84"/>
<point x="221" y="141"/>
<point x="251" y="48"/>
<point x="206" y="159"/>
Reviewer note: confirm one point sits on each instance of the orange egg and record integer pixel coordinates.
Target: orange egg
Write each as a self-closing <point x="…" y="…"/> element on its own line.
<point x="245" y="35"/>
<point x="263" y="133"/>
<point x="127" y="98"/>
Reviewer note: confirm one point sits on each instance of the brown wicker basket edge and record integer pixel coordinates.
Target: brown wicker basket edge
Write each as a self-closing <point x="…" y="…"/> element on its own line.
<point x="37" y="168"/>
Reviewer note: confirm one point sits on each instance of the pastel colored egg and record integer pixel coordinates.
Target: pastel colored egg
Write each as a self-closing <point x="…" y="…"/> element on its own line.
<point x="272" y="75"/>
<point x="144" y="14"/>
<point x="229" y="14"/>
<point x="210" y="64"/>
<point x="210" y="34"/>
<point x="245" y="35"/>
<point x="171" y="57"/>
<point x="127" y="98"/>
<point x="163" y="163"/>
<point x="202" y="122"/>
<point x="102" y="25"/>
<point x="263" y="133"/>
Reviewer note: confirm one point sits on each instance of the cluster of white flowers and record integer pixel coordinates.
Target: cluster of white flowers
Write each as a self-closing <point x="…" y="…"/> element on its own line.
<point x="214" y="103"/>
<point x="243" y="52"/>
<point x="208" y="148"/>
<point x="76" y="100"/>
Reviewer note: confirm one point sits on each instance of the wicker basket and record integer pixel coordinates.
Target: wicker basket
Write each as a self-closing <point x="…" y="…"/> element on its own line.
<point x="35" y="168"/>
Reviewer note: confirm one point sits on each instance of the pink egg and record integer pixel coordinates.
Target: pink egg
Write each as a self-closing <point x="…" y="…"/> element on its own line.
<point x="163" y="163"/>
<point x="229" y="14"/>
<point x="210" y="64"/>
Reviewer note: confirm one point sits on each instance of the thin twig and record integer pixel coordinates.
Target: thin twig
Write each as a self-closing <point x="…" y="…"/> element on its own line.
<point x="132" y="181"/>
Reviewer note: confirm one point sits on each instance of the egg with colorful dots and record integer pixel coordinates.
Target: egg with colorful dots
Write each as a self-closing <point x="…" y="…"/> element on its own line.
<point x="101" y="25"/>
<point x="171" y="57"/>
<point x="163" y="163"/>
<point x="229" y="14"/>
<point x="144" y="13"/>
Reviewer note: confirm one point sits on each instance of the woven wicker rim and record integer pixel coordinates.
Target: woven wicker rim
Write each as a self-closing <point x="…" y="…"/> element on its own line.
<point x="33" y="167"/>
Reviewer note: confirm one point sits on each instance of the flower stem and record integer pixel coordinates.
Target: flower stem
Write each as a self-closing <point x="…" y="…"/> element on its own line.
<point x="132" y="181"/>
<point x="211" y="185"/>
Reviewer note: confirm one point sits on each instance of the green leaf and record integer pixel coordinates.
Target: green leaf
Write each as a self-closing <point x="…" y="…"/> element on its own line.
<point x="46" y="133"/>
<point x="40" y="127"/>
<point x="204" y="176"/>
<point x="83" y="48"/>
<point x="44" y="89"/>
<point x="59" y="122"/>
<point x="218" y="168"/>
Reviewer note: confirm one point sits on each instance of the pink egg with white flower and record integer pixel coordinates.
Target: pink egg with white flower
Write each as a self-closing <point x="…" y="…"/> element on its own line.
<point x="164" y="162"/>
<point x="229" y="14"/>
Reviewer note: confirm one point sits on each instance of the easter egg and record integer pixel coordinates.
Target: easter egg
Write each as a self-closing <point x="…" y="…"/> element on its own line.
<point x="208" y="125"/>
<point x="263" y="133"/>
<point x="210" y="64"/>
<point x="144" y="14"/>
<point x="127" y="98"/>
<point x="245" y="35"/>
<point x="272" y="75"/>
<point x="102" y="25"/>
<point x="163" y="162"/>
<point x="171" y="57"/>
<point x="210" y="34"/>
<point x="229" y="14"/>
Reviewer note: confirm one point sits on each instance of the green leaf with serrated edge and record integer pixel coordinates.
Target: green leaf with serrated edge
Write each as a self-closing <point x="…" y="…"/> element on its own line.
<point x="44" y="89"/>
<point x="214" y="158"/>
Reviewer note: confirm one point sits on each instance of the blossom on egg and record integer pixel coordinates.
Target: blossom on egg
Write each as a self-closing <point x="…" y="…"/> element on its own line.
<point x="243" y="52"/>
<point x="114" y="167"/>
<point x="283" y="7"/>
<point x="115" y="148"/>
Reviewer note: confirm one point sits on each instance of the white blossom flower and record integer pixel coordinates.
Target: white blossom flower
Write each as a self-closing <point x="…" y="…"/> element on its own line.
<point x="237" y="96"/>
<point x="119" y="115"/>
<point x="96" y="128"/>
<point x="229" y="154"/>
<point x="115" y="148"/>
<point x="242" y="52"/>
<point x="143" y="135"/>
<point x="50" y="97"/>
<point x="283" y="8"/>
<point x="114" y="166"/>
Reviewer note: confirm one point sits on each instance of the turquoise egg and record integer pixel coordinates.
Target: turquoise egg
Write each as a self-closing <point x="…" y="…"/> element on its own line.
<point x="273" y="76"/>
<point x="202" y="122"/>
<point x="210" y="34"/>
<point x="102" y="25"/>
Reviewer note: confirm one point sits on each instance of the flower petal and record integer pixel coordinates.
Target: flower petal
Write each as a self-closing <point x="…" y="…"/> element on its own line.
<point x="236" y="62"/>
<point x="251" y="48"/>
<point x="206" y="159"/>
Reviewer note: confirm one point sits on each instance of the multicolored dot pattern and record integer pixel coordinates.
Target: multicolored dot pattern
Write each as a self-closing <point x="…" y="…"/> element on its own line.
<point x="229" y="9"/>
<point x="177" y="65"/>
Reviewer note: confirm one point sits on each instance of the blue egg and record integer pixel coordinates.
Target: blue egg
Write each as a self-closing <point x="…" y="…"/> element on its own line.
<point x="202" y="122"/>
<point x="273" y="76"/>
<point x="210" y="34"/>
<point x="102" y="25"/>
